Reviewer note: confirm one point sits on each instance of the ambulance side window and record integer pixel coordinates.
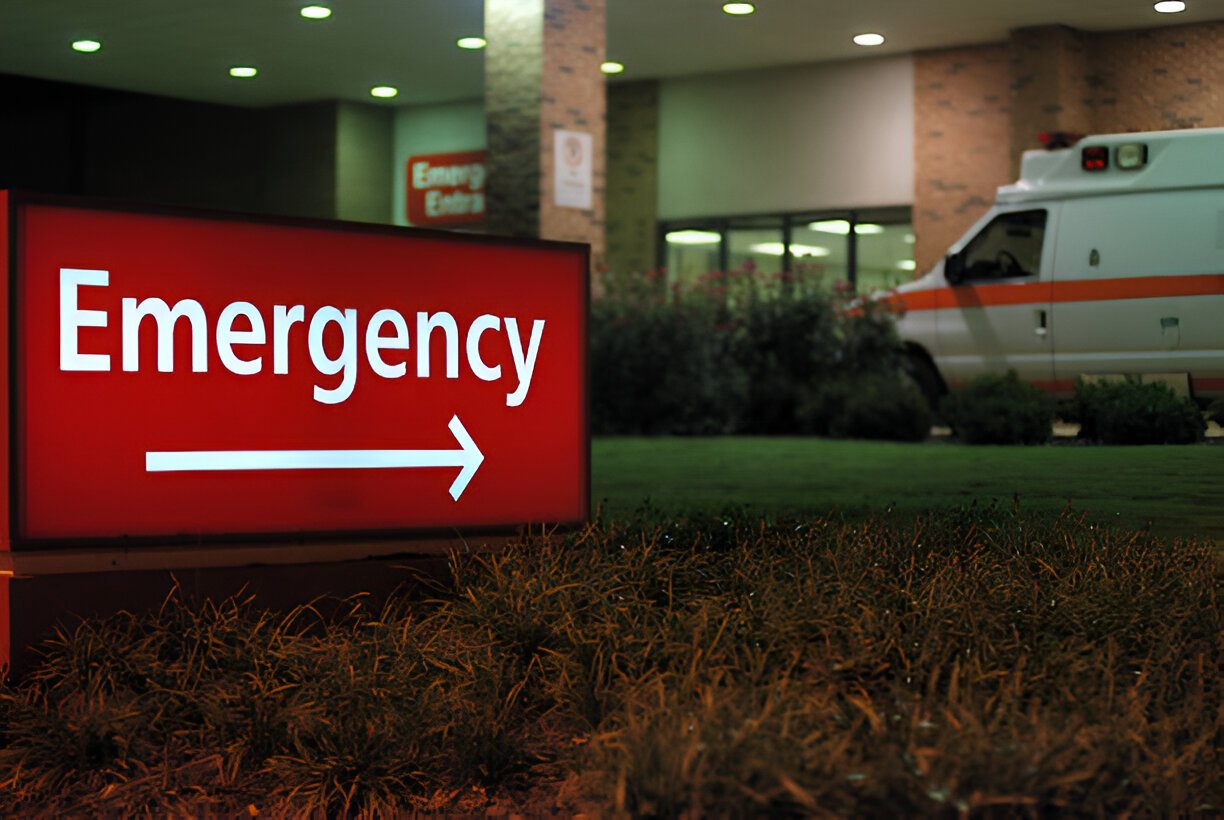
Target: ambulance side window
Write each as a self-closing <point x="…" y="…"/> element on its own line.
<point x="1007" y="248"/>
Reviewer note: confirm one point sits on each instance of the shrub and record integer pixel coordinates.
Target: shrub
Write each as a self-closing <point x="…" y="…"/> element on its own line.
<point x="996" y="409"/>
<point x="869" y="340"/>
<point x="736" y="352"/>
<point x="870" y="406"/>
<point x="660" y="368"/>
<point x="819" y="404"/>
<point x="786" y="344"/>
<point x="1129" y="412"/>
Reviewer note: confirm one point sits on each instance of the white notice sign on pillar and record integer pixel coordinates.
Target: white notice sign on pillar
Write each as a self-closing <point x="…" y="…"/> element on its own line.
<point x="572" y="169"/>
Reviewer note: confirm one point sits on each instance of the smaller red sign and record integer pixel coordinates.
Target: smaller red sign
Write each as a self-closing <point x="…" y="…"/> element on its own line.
<point x="446" y="189"/>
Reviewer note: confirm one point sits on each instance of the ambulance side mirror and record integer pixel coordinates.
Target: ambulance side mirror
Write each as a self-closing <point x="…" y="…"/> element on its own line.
<point x="954" y="268"/>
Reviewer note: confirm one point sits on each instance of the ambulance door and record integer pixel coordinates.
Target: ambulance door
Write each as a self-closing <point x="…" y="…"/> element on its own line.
<point x="1137" y="289"/>
<point x="995" y="314"/>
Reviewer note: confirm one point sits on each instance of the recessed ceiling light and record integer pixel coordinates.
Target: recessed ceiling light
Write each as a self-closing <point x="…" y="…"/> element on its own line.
<point x="691" y="237"/>
<point x="611" y="67"/>
<point x="842" y="227"/>
<point x="777" y="249"/>
<point x="86" y="46"/>
<point x="739" y="9"/>
<point x="907" y="264"/>
<point x="471" y="43"/>
<point x="385" y="92"/>
<point x="869" y="39"/>
<point x="1170" y="6"/>
<point x="243" y="71"/>
<point x="316" y="12"/>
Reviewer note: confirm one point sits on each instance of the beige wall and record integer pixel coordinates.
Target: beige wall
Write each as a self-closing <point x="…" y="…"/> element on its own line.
<point x="829" y="135"/>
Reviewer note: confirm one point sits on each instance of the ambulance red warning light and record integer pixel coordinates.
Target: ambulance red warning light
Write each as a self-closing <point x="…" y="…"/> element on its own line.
<point x="186" y="376"/>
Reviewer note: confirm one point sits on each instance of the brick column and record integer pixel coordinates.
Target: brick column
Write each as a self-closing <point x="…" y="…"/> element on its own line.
<point x="542" y="75"/>
<point x="1049" y="86"/>
<point x="962" y="125"/>
<point x="633" y="177"/>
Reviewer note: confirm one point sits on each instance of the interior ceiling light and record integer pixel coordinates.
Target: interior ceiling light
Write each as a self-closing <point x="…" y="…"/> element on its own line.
<point x="692" y="238"/>
<point x="1170" y="6"/>
<point x="842" y="227"/>
<point x="775" y="249"/>
<point x="316" y="12"/>
<point x="738" y="9"/>
<point x="471" y="43"/>
<point x="869" y="39"/>
<point x="611" y="67"/>
<point x="907" y="264"/>
<point x="384" y="92"/>
<point x="86" y="46"/>
<point x="243" y="71"/>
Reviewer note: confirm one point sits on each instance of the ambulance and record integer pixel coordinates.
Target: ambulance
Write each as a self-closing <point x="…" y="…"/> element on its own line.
<point x="1105" y="259"/>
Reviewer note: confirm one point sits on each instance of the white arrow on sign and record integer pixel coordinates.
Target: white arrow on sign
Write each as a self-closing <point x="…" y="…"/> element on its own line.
<point x="468" y="457"/>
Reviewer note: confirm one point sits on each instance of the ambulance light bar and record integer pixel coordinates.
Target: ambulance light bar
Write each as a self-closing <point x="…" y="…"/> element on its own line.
<point x="1128" y="157"/>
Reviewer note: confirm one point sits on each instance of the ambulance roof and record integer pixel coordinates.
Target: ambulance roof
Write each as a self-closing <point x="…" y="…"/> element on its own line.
<point x="1175" y="159"/>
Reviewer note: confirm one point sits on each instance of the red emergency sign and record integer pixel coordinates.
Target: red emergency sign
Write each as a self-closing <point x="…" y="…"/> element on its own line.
<point x="188" y="376"/>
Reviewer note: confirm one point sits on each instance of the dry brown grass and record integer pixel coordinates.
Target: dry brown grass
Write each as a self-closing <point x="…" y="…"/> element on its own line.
<point x="978" y="664"/>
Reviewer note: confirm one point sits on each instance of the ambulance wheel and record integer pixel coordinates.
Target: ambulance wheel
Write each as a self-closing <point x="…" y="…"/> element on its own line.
<point x="917" y="369"/>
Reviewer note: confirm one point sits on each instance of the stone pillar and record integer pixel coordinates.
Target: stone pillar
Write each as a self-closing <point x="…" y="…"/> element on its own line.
<point x="541" y="76"/>
<point x="1049" y="86"/>
<point x="514" y="64"/>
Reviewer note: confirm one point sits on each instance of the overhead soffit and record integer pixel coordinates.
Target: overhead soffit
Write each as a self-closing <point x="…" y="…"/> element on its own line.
<point x="185" y="50"/>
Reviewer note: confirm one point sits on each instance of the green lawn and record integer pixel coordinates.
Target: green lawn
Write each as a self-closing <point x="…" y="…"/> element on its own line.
<point x="1179" y="490"/>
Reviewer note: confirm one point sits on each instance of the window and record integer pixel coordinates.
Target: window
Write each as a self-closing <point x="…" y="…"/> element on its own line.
<point x="823" y="248"/>
<point x="691" y="253"/>
<point x="885" y="258"/>
<point x="756" y="241"/>
<point x="1008" y="248"/>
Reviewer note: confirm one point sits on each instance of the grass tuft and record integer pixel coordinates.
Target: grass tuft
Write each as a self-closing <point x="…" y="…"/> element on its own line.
<point x="978" y="663"/>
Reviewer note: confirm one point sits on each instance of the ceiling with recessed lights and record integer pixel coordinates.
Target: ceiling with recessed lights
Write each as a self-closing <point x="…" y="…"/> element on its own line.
<point x="187" y="50"/>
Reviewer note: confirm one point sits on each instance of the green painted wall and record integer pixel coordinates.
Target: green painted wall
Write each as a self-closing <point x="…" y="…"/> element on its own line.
<point x="431" y="129"/>
<point x="363" y="162"/>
